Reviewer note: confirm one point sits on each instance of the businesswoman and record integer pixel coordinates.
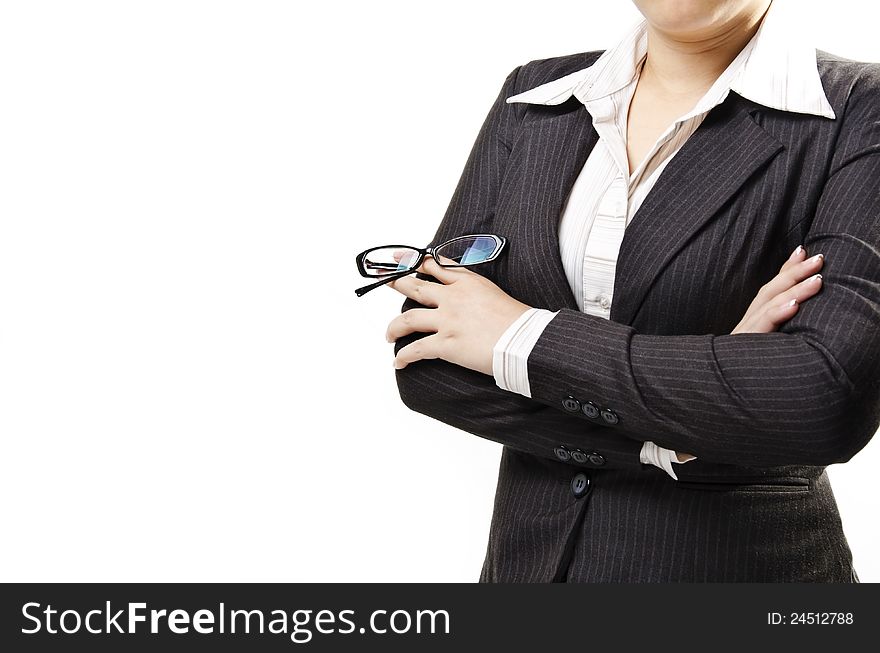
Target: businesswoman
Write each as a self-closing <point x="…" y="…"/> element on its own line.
<point x="667" y="411"/>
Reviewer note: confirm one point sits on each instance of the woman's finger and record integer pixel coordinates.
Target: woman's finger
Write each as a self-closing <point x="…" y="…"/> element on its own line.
<point x="422" y="349"/>
<point x="777" y="315"/>
<point x="798" y="255"/>
<point x="424" y="292"/>
<point x="792" y="274"/>
<point x="415" y="320"/>
<point x="444" y="275"/>
<point x="780" y="309"/>
<point x="800" y="291"/>
<point x="770" y="319"/>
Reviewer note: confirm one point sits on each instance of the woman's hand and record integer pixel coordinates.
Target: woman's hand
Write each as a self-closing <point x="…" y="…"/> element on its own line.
<point x="778" y="301"/>
<point x="470" y="313"/>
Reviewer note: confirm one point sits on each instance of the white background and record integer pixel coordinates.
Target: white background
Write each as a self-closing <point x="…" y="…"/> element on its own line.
<point x="189" y="388"/>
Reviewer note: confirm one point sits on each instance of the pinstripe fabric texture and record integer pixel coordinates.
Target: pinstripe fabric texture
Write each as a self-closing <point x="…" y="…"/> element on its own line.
<point x="763" y="413"/>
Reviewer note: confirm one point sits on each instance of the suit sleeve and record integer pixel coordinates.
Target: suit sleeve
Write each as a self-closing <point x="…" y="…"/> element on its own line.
<point x="469" y="400"/>
<point x="807" y="394"/>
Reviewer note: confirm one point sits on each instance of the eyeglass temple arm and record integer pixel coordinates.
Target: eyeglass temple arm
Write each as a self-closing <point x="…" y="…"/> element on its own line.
<point x="360" y="292"/>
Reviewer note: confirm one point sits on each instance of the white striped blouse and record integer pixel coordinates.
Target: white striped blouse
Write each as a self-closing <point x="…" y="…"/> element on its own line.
<point x="777" y="68"/>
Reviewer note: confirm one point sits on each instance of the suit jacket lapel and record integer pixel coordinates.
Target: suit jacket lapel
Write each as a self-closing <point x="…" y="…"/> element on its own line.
<point x="715" y="161"/>
<point x="559" y="146"/>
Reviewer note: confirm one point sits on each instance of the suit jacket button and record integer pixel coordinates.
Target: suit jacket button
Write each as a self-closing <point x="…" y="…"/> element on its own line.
<point x="590" y="410"/>
<point x="610" y="416"/>
<point x="596" y="459"/>
<point x="579" y="485"/>
<point x="562" y="453"/>
<point x="579" y="456"/>
<point x="571" y="404"/>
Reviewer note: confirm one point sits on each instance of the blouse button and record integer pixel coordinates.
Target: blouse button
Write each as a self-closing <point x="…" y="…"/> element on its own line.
<point x="604" y="301"/>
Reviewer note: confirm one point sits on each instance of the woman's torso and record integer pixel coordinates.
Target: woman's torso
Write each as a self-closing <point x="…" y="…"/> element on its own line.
<point x="718" y="224"/>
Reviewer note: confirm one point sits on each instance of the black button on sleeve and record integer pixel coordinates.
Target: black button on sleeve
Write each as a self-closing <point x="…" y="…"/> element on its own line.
<point x="571" y="404"/>
<point x="579" y="456"/>
<point x="596" y="459"/>
<point x="562" y="454"/>
<point x="590" y="410"/>
<point x="610" y="416"/>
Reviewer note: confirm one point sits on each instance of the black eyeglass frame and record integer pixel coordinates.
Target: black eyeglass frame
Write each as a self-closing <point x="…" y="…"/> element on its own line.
<point x="500" y="242"/>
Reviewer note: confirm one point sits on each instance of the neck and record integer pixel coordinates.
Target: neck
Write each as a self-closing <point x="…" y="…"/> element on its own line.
<point x="688" y="64"/>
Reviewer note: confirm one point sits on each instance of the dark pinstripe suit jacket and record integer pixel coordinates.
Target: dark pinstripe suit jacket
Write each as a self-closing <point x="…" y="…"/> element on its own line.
<point x="764" y="413"/>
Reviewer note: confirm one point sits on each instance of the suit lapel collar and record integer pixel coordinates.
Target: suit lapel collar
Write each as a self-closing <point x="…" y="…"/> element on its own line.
<point x="715" y="161"/>
<point x="561" y="145"/>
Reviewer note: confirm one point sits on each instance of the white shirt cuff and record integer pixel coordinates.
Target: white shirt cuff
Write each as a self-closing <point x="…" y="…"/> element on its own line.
<point x="511" y="353"/>
<point x="651" y="454"/>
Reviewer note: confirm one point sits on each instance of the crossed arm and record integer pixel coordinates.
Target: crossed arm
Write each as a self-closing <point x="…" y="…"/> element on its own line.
<point x="805" y="394"/>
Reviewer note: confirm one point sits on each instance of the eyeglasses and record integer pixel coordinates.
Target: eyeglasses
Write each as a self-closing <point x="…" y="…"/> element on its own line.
<point x="391" y="262"/>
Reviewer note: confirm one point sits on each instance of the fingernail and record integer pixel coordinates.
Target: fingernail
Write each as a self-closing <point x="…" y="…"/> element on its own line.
<point x="817" y="258"/>
<point x="816" y="277"/>
<point x="797" y="251"/>
<point x="791" y="303"/>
